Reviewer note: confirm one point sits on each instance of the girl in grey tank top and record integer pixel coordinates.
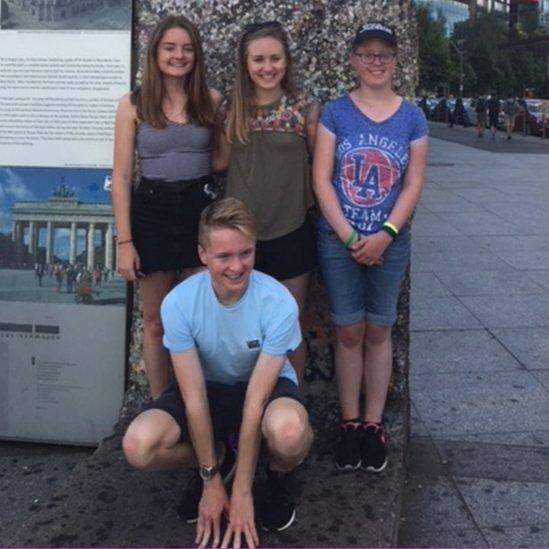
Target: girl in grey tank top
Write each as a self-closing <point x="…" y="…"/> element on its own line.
<point x="170" y="120"/>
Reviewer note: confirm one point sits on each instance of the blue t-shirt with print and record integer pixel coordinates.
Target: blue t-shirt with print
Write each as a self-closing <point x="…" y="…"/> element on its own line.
<point x="229" y="338"/>
<point x="370" y="159"/>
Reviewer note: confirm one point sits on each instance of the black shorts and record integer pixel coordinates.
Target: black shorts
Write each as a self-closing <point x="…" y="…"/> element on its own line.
<point x="164" y="218"/>
<point x="493" y="119"/>
<point x="288" y="256"/>
<point x="226" y="403"/>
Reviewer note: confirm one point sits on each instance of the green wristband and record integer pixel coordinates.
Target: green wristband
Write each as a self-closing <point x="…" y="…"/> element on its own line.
<point x="350" y="239"/>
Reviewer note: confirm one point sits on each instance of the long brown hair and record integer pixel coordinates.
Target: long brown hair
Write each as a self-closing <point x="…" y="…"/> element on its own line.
<point x="148" y="97"/>
<point x="242" y="92"/>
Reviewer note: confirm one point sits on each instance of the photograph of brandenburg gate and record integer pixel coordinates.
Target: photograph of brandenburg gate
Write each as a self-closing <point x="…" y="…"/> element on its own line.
<point x="65" y="212"/>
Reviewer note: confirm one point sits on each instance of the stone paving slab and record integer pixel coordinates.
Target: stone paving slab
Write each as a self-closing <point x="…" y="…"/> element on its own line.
<point x="468" y="537"/>
<point x="525" y="259"/>
<point x="542" y="376"/>
<point x="475" y="282"/>
<point x="523" y="439"/>
<point x="515" y="242"/>
<point x="511" y="311"/>
<point x="505" y="503"/>
<point x="441" y="313"/>
<point x="433" y="504"/>
<point x="493" y="461"/>
<point x="444" y="352"/>
<point x="535" y="535"/>
<point x="442" y="244"/>
<point x="474" y="402"/>
<point x="427" y="284"/>
<point x="529" y="345"/>
<point x="458" y="261"/>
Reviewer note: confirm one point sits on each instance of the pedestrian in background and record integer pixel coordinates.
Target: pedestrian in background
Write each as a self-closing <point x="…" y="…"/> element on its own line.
<point x="494" y="108"/>
<point x="271" y="128"/>
<point x="480" y="109"/>
<point x="510" y="108"/>
<point x="369" y="164"/>
<point x="171" y="120"/>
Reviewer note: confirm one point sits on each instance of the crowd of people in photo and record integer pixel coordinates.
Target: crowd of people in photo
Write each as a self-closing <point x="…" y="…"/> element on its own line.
<point x="223" y="274"/>
<point x="72" y="276"/>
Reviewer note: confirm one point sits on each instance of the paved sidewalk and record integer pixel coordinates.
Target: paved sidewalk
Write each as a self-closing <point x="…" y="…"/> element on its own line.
<point x="479" y="473"/>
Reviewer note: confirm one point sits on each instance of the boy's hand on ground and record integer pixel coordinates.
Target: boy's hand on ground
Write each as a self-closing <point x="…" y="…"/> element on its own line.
<point x="241" y="522"/>
<point x="213" y="504"/>
<point x="368" y="250"/>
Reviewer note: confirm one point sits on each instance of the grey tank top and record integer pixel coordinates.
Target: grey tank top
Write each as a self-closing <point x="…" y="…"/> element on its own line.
<point x="178" y="151"/>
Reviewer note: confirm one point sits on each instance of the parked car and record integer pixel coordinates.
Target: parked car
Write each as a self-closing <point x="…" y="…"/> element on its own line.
<point x="536" y="119"/>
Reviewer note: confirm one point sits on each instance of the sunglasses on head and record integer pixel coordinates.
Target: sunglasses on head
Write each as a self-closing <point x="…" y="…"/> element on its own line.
<point x="254" y="27"/>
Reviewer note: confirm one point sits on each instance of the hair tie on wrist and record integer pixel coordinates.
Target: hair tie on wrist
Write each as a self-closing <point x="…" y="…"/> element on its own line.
<point x="120" y="242"/>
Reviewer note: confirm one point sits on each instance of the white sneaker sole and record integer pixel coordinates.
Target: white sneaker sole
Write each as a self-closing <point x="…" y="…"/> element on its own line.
<point x="347" y="467"/>
<point x="372" y="469"/>
<point x="280" y="528"/>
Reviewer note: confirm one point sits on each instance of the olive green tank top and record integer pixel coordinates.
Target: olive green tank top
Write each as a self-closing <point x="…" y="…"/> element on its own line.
<point x="271" y="173"/>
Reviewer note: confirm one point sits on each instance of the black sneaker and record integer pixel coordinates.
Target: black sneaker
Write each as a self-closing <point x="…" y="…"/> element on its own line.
<point x="373" y="450"/>
<point x="277" y="506"/>
<point x="187" y="510"/>
<point x="347" y="455"/>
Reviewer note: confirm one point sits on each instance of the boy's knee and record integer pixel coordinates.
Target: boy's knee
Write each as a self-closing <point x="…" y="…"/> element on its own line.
<point x="138" y="447"/>
<point x="290" y="436"/>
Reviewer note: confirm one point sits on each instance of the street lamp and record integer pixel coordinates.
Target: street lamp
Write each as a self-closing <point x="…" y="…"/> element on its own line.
<point x="460" y="53"/>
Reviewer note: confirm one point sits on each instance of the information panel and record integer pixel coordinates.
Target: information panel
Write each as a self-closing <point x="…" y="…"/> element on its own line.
<point x="63" y="67"/>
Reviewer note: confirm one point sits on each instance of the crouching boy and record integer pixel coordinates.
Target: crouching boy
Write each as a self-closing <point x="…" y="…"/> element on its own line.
<point x="229" y="330"/>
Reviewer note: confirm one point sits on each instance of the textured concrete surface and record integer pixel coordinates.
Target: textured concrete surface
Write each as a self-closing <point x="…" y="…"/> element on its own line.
<point x="479" y="369"/>
<point x="105" y="503"/>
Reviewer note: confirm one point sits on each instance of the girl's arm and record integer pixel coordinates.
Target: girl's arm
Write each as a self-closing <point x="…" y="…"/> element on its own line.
<point x="323" y="167"/>
<point x="221" y="149"/>
<point x="412" y="184"/>
<point x="369" y="250"/>
<point x="124" y="143"/>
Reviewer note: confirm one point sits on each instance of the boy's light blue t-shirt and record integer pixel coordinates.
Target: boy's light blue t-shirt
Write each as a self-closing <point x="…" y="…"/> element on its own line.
<point x="370" y="159"/>
<point x="229" y="339"/>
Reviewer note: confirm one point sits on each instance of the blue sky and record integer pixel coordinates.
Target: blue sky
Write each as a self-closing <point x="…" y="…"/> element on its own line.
<point x="37" y="184"/>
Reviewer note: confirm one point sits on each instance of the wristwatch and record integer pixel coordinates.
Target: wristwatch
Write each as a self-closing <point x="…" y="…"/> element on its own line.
<point x="207" y="473"/>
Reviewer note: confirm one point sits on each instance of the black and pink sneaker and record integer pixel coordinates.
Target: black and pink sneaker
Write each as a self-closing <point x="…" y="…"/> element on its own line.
<point x="373" y="448"/>
<point x="347" y="455"/>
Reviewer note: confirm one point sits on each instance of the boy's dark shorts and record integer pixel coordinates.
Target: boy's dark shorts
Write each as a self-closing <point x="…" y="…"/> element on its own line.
<point x="226" y="403"/>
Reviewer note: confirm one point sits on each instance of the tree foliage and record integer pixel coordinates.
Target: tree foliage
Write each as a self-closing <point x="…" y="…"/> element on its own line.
<point x="488" y="61"/>
<point x="434" y="55"/>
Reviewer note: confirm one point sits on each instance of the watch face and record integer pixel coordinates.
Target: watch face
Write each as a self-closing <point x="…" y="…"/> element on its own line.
<point x="205" y="473"/>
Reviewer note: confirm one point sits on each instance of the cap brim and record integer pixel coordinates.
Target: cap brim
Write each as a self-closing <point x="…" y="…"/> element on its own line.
<point x="386" y="37"/>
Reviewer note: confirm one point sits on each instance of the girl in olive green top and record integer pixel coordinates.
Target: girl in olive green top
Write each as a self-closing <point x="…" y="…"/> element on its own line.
<point x="271" y="129"/>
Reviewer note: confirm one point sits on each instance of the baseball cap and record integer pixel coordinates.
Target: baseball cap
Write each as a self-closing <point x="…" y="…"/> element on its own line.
<point x="375" y="29"/>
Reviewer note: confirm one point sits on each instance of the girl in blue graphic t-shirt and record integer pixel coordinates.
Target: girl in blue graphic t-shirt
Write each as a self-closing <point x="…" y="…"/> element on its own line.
<point x="369" y="163"/>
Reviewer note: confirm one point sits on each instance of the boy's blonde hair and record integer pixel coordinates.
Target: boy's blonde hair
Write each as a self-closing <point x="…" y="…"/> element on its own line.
<point x="228" y="213"/>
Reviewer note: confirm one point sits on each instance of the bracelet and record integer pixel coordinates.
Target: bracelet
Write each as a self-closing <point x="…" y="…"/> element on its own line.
<point x="389" y="228"/>
<point x="120" y="242"/>
<point x="350" y="239"/>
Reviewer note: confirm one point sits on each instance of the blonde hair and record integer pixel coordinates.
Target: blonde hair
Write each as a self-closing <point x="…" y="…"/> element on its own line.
<point x="227" y="213"/>
<point x="149" y="96"/>
<point x="242" y="93"/>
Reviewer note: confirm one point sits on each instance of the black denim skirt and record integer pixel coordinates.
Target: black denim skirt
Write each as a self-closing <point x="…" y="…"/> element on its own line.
<point x="164" y="217"/>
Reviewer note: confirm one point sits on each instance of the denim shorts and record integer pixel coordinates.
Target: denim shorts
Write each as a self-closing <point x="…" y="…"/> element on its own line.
<point x="357" y="292"/>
